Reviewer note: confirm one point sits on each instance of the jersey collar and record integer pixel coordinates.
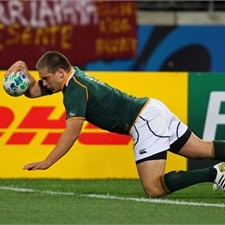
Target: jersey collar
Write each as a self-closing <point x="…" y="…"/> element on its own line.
<point x="68" y="77"/>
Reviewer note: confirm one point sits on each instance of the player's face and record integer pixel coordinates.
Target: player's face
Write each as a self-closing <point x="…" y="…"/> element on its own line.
<point x="51" y="81"/>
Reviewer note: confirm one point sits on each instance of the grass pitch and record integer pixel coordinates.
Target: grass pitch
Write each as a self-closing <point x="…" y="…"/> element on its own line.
<point x="43" y="201"/>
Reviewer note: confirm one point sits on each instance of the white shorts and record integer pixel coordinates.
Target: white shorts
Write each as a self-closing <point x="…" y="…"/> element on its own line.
<point x="157" y="130"/>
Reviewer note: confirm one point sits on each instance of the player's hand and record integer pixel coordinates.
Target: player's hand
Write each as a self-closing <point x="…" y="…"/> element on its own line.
<point x="42" y="165"/>
<point x="19" y="65"/>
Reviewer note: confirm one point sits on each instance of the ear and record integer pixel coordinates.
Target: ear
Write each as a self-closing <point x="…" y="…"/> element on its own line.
<point x="61" y="73"/>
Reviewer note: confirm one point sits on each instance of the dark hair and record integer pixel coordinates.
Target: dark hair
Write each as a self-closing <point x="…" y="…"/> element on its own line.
<point x="53" y="60"/>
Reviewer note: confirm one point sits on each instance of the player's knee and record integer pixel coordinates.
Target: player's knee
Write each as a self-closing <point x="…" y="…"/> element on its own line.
<point x="154" y="189"/>
<point x="152" y="193"/>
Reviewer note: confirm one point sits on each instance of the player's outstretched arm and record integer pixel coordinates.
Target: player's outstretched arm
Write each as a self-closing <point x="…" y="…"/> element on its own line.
<point x="66" y="141"/>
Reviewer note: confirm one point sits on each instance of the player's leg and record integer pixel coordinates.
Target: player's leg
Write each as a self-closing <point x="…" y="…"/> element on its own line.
<point x="196" y="148"/>
<point x="150" y="173"/>
<point x="151" y="142"/>
<point x="190" y="146"/>
<point x="185" y="143"/>
<point x="157" y="130"/>
<point x="177" y="180"/>
<point x="156" y="183"/>
<point x="151" y="138"/>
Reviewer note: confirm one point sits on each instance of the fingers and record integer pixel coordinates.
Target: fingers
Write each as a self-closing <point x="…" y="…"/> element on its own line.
<point x="9" y="71"/>
<point x="19" y="65"/>
<point x="43" y="165"/>
<point x="31" y="166"/>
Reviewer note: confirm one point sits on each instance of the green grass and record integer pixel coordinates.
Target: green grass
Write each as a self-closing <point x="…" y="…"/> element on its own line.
<point x="78" y="207"/>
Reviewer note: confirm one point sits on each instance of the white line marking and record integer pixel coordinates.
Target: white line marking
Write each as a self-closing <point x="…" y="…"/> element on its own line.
<point x="159" y="201"/>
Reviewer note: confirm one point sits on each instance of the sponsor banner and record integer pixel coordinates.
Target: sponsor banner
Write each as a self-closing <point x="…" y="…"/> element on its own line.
<point x="206" y="109"/>
<point x="29" y="129"/>
<point x="84" y="30"/>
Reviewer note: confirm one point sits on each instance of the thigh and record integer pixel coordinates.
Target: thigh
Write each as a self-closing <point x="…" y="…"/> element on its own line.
<point x="150" y="173"/>
<point x="197" y="148"/>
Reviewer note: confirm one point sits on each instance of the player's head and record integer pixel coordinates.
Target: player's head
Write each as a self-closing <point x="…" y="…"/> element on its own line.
<point x="53" y="68"/>
<point x="52" y="61"/>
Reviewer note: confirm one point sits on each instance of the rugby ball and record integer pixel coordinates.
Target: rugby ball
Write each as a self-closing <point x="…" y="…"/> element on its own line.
<point x="16" y="83"/>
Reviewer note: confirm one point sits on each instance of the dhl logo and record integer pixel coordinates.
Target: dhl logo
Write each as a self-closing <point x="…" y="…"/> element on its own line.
<point x="37" y="118"/>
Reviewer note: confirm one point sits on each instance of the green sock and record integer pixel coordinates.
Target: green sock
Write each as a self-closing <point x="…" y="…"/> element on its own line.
<point x="219" y="150"/>
<point x="176" y="180"/>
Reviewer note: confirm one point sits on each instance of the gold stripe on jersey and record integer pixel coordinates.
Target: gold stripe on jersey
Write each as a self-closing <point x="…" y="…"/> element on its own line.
<point x="67" y="77"/>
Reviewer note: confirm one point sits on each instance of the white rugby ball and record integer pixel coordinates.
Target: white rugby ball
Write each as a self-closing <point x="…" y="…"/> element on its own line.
<point x="16" y="83"/>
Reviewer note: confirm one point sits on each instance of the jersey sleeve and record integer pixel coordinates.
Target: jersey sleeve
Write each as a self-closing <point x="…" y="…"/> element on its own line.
<point x="75" y="102"/>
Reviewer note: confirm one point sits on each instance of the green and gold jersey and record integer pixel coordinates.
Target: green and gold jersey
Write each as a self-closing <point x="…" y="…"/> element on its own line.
<point x="100" y="104"/>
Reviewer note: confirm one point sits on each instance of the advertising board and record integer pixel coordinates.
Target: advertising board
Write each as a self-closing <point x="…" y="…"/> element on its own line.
<point x="29" y="129"/>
